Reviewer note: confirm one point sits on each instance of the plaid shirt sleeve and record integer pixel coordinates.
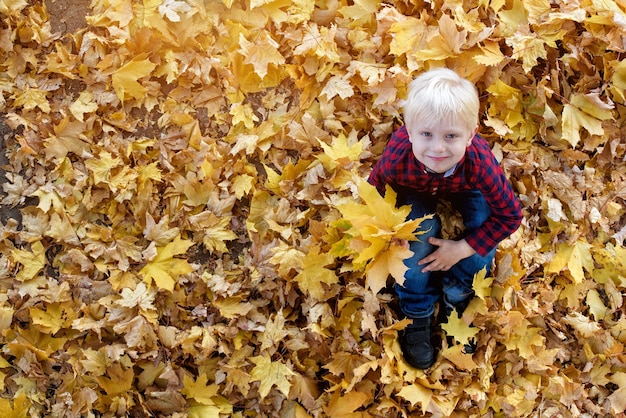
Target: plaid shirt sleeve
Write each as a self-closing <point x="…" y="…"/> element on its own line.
<point x="393" y="163"/>
<point x="506" y="211"/>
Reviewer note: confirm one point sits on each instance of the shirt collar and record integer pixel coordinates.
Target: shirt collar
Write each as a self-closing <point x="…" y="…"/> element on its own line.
<point x="450" y="170"/>
<point x="448" y="173"/>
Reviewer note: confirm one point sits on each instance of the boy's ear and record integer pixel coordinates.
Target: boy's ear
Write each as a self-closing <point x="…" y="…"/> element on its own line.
<point x="469" y="141"/>
<point x="410" y="137"/>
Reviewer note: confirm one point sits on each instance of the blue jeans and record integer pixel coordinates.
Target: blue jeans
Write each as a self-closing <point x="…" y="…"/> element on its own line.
<point x="421" y="291"/>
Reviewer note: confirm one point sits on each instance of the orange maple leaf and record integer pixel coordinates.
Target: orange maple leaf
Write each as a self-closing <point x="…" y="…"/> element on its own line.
<point x="344" y="406"/>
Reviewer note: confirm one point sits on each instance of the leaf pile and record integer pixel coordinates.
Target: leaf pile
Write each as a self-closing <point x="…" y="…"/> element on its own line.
<point x="196" y="237"/>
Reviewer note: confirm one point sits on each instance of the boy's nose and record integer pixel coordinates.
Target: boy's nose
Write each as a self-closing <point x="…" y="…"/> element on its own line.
<point x="438" y="145"/>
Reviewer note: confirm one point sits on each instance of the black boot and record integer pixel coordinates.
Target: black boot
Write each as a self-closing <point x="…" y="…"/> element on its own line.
<point x="416" y="343"/>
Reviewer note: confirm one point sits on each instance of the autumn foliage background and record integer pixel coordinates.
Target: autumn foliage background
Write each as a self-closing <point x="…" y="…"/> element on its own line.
<point x="191" y="235"/>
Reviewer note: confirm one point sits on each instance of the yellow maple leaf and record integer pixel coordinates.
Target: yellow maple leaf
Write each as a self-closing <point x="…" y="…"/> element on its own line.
<point x="582" y="324"/>
<point x="372" y="73"/>
<point x="341" y="405"/>
<point x="84" y="104"/>
<point x="613" y="261"/>
<point x="526" y="340"/>
<point x="375" y="224"/>
<point x="146" y="13"/>
<point x="12" y="7"/>
<point x="417" y="394"/>
<point x="482" y="284"/>
<point x="389" y="262"/>
<point x="16" y="407"/>
<point x="138" y="332"/>
<point x="95" y="361"/>
<point x="543" y="360"/>
<point x="529" y="48"/>
<point x="32" y="98"/>
<point x="33" y="261"/>
<point x="618" y="79"/>
<point x="141" y="297"/>
<point x="319" y="42"/>
<point x="149" y="172"/>
<point x="117" y="380"/>
<point x="360" y="12"/>
<point x="575" y="257"/>
<point x="117" y="13"/>
<point x="48" y="198"/>
<point x="510" y="271"/>
<point x="243" y="113"/>
<point x="270" y="373"/>
<point x="69" y="136"/>
<point x="244" y="142"/>
<point x="247" y="80"/>
<point x="123" y="183"/>
<point x="457" y="355"/>
<point x="470" y="20"/>
<point x="101" y="167"/>
<point x="214" y="230"/>
<point x="242" y="184"/>
<point x="286" y="258"/>
<point x="205" y="411"/>
<point x="444" y="43"/>
<point x="199" y="390"/>
<point x="171" y="9"/>
<point x="618" y="397"/>
<point x="160" y="232"/>
<point x="596" y="305"/>
<point x="232" y="307"/>
<point x="314" y="273"/>
<point x="406" y="34"/>
<point x="507" y="103"/>
<point x="491" y="54"/>
<point x="261" y="53"/>
<point x="344" y="363"/>
<point x="165" y="267"/>
<point x="584" y="111"/>
<point x="338" y="86"/>
<point x="62" y="61"/>
<point x="261" y="201"/>
<point x="126" y="78"/>
<point x="511" y="20"/>
<point x="6" y="317"/>
<point x="55" y="316"/>
<point x="340" y="153"/>
<point x="32" y="339"/>
<point x="457" y="328"/>
<point x="274" y="331"/>
<point x="62" y="229"/>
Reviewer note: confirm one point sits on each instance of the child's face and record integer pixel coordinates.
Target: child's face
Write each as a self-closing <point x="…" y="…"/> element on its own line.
<point x="440" y="145"/>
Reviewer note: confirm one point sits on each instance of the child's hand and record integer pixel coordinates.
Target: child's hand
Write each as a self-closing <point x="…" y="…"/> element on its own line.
<point x="447" y="255"/>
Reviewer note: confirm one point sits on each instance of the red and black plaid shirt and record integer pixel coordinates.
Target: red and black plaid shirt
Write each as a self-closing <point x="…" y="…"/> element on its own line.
<point x="478" y="170"/>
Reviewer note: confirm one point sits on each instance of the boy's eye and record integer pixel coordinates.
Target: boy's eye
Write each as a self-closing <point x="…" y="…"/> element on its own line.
<point x="426" y="134"/>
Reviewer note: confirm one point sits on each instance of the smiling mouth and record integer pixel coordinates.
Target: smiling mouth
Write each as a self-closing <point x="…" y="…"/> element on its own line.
<point x="438" y="158"/>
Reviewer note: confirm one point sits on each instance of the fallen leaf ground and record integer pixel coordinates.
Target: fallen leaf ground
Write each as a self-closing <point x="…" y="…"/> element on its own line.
<point x="186" y="230"/>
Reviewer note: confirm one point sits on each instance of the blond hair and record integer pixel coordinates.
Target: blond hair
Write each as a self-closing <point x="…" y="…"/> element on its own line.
<point x="441" y="93"/>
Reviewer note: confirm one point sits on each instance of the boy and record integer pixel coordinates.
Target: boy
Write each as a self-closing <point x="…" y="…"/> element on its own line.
<point x="437" y="154"/>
